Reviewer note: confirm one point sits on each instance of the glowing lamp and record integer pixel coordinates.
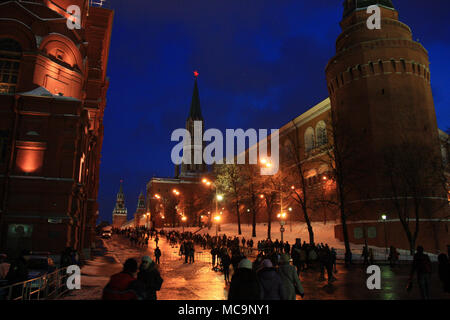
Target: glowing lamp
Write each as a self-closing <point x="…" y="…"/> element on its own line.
<point x="219" y="197"/>
<point x="384" y="217"/>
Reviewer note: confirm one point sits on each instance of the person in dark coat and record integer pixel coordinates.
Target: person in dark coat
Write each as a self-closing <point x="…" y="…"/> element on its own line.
<point x="66" y="258"/>
<point x="270" y="282"/>
<point x="157" y="254"/>
<point x="121" y="285"/>
<point x="244" y="283"/>
<point x="290" y="278"/>
<point x="444" y="272"/>
<point x="226" y="261"/>
<point x="150" y="278"/>
<point x="18" y="270"/>
<point x="422" y="265"/>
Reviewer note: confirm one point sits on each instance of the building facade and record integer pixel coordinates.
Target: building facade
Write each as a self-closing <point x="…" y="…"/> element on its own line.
<point x="52" y="99"/>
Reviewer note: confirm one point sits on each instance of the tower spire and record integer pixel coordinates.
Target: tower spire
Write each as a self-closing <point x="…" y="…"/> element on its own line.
<point x="195" y="112"/>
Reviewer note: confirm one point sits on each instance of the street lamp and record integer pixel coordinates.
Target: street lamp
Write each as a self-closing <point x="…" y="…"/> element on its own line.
<point x="183" y="218"/>
<point x="217" y="220"/>
<point x="384" y="217"/>
<point x="148" y="217"/>
<point x="218" y="197"/>
<point x="282" y="219"/>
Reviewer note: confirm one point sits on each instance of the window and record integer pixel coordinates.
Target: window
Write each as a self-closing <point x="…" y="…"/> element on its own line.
<point x="372" y="232"/>
<point x="3" y="145"/>
<point x="309" y="139"/>
<point x="321" y="133"/>
<point x="358" y="233"/>
<point x="403" y="64"/>
<point x="10" y="54"/>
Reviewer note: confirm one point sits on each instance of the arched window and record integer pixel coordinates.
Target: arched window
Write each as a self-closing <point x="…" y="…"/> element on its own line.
<point x="10" y="54"/>
<point x="321" y="134"/>
<point x="309" y="139"/>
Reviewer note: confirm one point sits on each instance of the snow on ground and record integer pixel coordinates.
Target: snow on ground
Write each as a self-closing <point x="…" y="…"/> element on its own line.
<point x="323" y="233"/>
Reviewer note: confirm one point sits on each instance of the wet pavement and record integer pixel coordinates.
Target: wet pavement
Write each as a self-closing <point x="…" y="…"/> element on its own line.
<point x="197" y="281"/>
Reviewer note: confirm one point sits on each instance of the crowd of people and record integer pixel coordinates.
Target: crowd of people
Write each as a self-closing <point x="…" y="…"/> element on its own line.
<point x="271" y="275"/>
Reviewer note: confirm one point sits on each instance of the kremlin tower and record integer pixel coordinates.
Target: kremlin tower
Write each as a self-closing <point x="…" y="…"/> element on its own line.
<point x="120" y="211"/>
<point x="383" y="114"/>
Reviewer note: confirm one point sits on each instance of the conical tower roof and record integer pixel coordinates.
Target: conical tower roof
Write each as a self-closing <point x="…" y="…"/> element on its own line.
<point x="195" y="112"/>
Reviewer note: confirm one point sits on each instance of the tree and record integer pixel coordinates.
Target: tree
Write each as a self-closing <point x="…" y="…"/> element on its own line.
<point x="230" y="180"/>
<point x="251" y="191"/>
<point x="343" y="149"/>
<point x="297" y="177"/>
<point x="416" y="181"/>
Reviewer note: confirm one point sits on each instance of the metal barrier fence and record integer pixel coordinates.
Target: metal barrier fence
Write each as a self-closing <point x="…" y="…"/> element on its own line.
<point x="49" y="286"/>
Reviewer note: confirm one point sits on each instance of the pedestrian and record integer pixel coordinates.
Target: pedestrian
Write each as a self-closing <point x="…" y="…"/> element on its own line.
<point x="150" y="278"/>
<point x="4" y="266"/>
<point x="422" y="265"/>
<point x="393" y="256"/>
<point x="334" y="259"/>
<point x="444" y="272"/>
<point x="365" y="255"/>
<point x="244" y="283"/>
<point x="66" y="259"/>
<point x="191" y="253"/>
<point x="271" y="284"/>
<point x="290" y="278"/>
<point x="157" y="254"/>
<point x="371" y="257"/>
<point x="226" y="261"/>
<point x="121" y="285"/>
<point x="18" y="271"/>
<point x="213" y="256"/>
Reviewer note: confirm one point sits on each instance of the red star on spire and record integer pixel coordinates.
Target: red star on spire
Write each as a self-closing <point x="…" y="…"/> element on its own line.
<point x="196" y="73"/>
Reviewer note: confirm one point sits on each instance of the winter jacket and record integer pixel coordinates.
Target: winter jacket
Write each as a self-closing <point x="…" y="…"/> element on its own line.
<point x="421" y="263"/>
<point x="290" y="279"/>
<point x="271" y="285"/>
<point x="18" y="271"/>
<point x="244" y="285"/>
<point x="120" y="287"/>
<point x="4" y="268"/>
<point x="152" y="281"/>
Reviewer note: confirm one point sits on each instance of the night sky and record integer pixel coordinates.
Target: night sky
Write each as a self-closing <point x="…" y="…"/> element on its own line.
<point x="261" y="64"/>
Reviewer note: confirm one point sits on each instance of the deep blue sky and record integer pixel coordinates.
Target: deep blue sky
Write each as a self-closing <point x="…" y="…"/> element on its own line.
<point x="261" y="64"/>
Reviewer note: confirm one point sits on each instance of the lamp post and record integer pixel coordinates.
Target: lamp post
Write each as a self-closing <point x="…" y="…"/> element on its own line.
<point x="282" y="219"/>
<point x="217" y="220"/>
<point x="183" y="218"/>
<point x="148" y="218"/>
<point x="217" y="198"/>
<point x="384" y="217"/>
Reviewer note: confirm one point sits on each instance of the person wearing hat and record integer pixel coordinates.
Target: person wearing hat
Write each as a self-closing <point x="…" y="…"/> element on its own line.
<point x="120" y="286"/>
<point x="290" y="278"/>
<point x="270" y="283"/>
<point x="150" y="278"/>
<point x="244" y="283"/>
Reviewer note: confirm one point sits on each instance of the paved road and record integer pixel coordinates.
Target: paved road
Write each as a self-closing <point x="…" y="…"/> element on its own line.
<point x="198" y="282"/>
